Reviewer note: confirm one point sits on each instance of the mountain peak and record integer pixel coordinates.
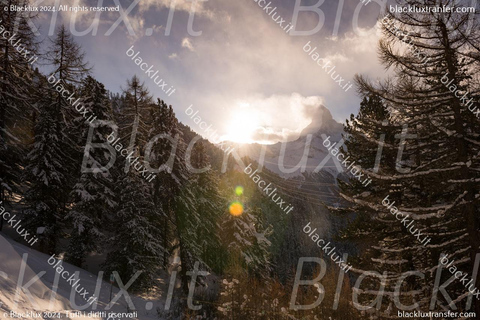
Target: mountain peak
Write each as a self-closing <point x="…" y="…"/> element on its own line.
<point x="323" y="122"/>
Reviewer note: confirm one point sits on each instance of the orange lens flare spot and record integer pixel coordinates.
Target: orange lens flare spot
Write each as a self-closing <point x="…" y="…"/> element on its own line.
<point x="236" y="208"/>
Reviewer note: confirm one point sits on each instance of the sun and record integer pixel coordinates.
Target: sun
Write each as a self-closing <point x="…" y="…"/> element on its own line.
<point x="242" y="125"/>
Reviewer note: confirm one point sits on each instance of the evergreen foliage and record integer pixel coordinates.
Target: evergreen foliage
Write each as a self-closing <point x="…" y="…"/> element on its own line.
<point x="434" y="176"/>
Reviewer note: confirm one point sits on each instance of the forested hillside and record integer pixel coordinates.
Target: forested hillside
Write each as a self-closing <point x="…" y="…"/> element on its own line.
<point x="370" y="218"/>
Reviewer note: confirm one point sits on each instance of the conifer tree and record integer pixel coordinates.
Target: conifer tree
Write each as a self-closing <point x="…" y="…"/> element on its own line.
<point x="200" y="211"/>
<point x="68" y="59"/>
<point x="46" y="175"/>
<point x="55" y="156"/>
<point x="167" y="157"/>
<point x="135" y="119"/>
<point x="370" y="142"/>
<point x="135" y="241"/>
<point x="17" y="90"/>
<point x="434" y="178"/>
<point x="93" y="194"/>
<point x="245" y="237"/>
<point x="69" y="68"/>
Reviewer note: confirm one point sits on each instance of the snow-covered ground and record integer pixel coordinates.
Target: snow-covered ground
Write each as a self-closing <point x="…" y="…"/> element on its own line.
<point x="30" y="286"/>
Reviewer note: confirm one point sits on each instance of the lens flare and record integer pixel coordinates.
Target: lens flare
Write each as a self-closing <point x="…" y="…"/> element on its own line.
<point x="236" y="208"/>
<point x="239" y="190"/>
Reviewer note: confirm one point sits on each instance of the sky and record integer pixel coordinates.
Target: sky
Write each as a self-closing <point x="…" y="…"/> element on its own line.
<point x="237" y="67"/>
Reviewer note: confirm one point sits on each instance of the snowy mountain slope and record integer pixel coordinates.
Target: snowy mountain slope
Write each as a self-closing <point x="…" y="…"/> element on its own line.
<point x="290" y="159"/>
<point x="50" y="292"/>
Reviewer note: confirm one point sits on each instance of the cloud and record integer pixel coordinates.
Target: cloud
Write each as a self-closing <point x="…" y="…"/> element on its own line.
<point x="279" y="117"/>
<point x="269" y="136"/>
<point x="242" y="55"/>
<point x="249" y="59"/>
<point x="195" y="6"/>
<point x="138" y="17"/>
<point x="187" y="43"/>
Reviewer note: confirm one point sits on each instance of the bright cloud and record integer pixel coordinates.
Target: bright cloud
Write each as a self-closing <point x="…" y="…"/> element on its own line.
<point x="187" y="43"/>
<point x="274" y="118"/>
